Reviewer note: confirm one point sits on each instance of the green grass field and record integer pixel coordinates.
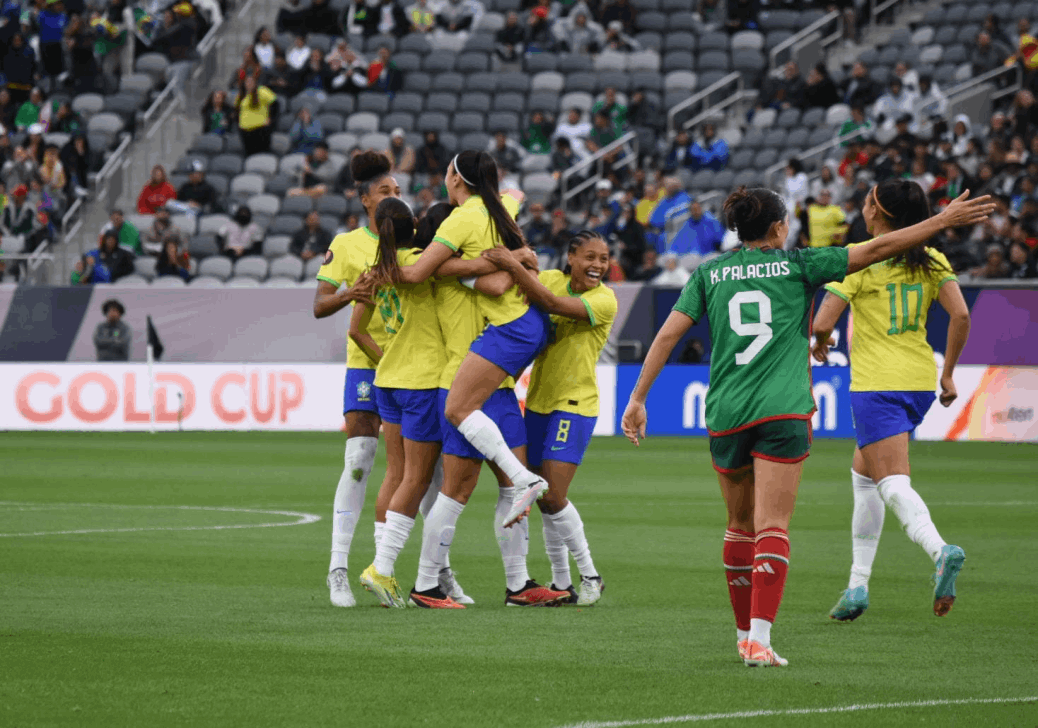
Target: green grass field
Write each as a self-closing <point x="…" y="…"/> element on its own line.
<point x="233" y="626"/>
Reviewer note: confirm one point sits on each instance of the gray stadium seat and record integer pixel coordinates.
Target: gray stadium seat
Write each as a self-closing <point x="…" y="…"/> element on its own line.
<point x="474" y="140"/>
<point x="309" y="99"/>
<point x="414" y="43"/>
<point x="538" y="62"/>
<point x="505" y="121"/>
<point x="466" y="122"/>
<point x="163" y="282"/>
<point x="265" y="165"/>
<point x="361" y="122"/>
<point x="247" y="185"/>
<point x="212" y="224"/>
<point x="251" y="266"/>
<point x="652" y="21"/>
<point x="275" y="246"/>
<point x="473" y="62"/>
<point x="441" y="102"/>
<point x="285" y="225"/>
<point x="518" y="82"/>
<point x="680" y="81"/>
<point x="789" y="118"/>
<point x="447" y="82"/>
<point x="417" y="82"/>
<point x="343" y="142"/>
<point x="332" y="205"/>
<point x="374" y="140"/>
<point x="475" y="102"/>
<point x="206" y="282"/>
<point x="436" y="63"/>
<point x="679" y="41"/>
<point x="286" y="266"/>
<point x="372" y="44"/>
<point x="511" y="102"/>
<point x="481" y="83"/>
<point x="332" y="122"/>
<point x="408" y="62"/>
<point x="312" y="266"/>
<point x="243" y="282"/>
<point x="217" y="267"/>
<point x="547" y="102"/>
<point x="375" y="102"/>
<point x="226" y="164"/>
<point x="343" y="104"/>
<point x="297" y="206"/>
<point x="398" y="120"/>
<point x="264" y="204"/>
<point x="145" y="267"/>
<point x="407" y="102"/>
<point x="677" y="61"/>
<point x="650" y="40"/>
<point x="432" y="121"/>
<point x="154" y="65"/>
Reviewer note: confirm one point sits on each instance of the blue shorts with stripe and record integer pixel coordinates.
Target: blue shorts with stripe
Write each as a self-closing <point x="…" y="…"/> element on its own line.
<point x="359" y="391"/>
<point x="879" y="415"/>
<point x="502" y="407"/>
<point x="415" y="410"/>
<point x="561" y="436"/>
<point x="515" y="345"/>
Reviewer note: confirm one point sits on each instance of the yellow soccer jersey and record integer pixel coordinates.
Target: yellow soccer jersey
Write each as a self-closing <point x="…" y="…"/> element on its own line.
<point x="468" y="230"/>
<point x="564" y="374"/>
<point x="460" y="323"/>
<point x="349" y="255"/>
<point x="889" y="351"/>
<point x="414" y="356"/>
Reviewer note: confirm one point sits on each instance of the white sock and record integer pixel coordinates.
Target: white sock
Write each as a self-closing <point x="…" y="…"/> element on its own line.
<point x="514" y="542"/>
<point x="380" y="527"/>
<point x="760" y="632"/>
<point x="571" y="530"/>
<point x="484" y="435"/>
<point x="866" y="527"/>
<point x="398" y="528"/>
<point x="437" y="534"/>
<point x="558" y="555"/>
<point x="908" y="506"/>
<point x="349" y="496"/>
<point x="430" y="498"/>
<point x="742" y="634"/>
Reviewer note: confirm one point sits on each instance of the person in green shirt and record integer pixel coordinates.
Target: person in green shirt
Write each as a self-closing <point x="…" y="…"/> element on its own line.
<point x="128" y="235"/>
<point x="29" y="112"/>
<point x="537" y="138"/>
<point x="857" y="122"/>
<point x="613" y="109"/>
<point x="602" y="133"/>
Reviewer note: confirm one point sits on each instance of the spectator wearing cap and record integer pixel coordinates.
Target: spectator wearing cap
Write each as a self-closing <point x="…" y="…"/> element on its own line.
<point x="605" y="207"/>
<point x="709" y="151"/>
<point x="675" y="202"/>
<point x="616" y="40"/>
<point x="306" y="132"/>
<point x="825" y="221"/>
<point x="196" y="195"/>
<point x="19" y="218"/>
<point x="126" y="234"/>
<point x="897" y="101"/>
<point x="156" y="193"/>
<point x="111" y="261"/>
<point x="29" y="112"/>
<point x="401" y="154"/>
<point x="701" y="234"/>
<point x="311" y="240"/>
<point x="112" y="337"/>
<point x="20" y="170"/>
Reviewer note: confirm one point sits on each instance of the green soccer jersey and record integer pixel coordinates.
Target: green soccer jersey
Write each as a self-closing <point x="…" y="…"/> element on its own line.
<point x="759" y="306"/>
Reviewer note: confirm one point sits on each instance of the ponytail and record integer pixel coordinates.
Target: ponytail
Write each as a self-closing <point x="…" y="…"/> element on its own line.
<point x="903" y="203"/>
<point x="752" y="212"/>
<point x="478" y="171"/>
<point x="395" y="223"/>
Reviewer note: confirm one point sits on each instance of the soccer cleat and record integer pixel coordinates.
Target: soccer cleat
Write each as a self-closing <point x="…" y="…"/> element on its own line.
<point x="744" y="649"/>
<point x="591" y="588"/>
<point x="761" y="656"/>
<point x="384" y="587"/>
<point x="852" y="604"/>
<point x="450" y="586"/>
<point x="535" y="595"/>
<point x="569" y="590"/>
<point x="339" y="586"/>
<point x="433" y="598"/>
<point x="949" y="563"/>
<point x="525" y="495"/>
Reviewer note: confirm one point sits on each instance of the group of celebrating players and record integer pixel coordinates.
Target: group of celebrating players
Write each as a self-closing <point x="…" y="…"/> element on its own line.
<point x="450" y="309"/>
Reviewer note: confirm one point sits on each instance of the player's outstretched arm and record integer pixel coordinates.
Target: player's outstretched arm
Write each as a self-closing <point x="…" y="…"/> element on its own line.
<point x="538" y="294"/>
<point x="359" y="322"/>
<point x="329" y="299"/>
<point x="635" y="417"/>
<point x="959" y="213"/>
<point x="951" y="300"/>
<point x="824" y="323"/>
<point x="427" y="264"/>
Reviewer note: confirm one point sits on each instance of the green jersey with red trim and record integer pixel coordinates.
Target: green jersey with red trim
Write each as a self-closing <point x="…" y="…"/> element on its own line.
<point x="759" y="303"/>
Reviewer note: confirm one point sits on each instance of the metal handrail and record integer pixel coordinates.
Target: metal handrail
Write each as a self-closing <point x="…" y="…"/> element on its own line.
<point x="991" y="75"/>
<point x="707" y="114"/>
<point x="817" y="149"/>
<point x="630" y="157"/>
<point x="802" y="35"/>
<point x="207" y="48"/>
<point x="878" y="8"/>
<point x="733" y="77"/>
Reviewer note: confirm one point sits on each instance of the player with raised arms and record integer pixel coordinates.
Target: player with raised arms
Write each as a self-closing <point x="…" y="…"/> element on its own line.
<point x="562" y="402"/>
<point x="893" y="378"/>
<point x="348" y="256"/>
<point x="758" y="300"/>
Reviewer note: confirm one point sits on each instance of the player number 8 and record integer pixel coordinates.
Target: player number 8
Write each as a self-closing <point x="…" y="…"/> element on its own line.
<point x="760" y="330"/>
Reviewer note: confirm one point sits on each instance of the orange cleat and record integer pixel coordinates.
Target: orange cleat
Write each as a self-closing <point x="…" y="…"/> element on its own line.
<point x="433" y="599"/>
<point x="535" y="595"/>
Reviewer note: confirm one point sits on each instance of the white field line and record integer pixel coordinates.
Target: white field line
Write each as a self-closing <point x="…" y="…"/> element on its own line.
<point x="703" y="717"/>
<point x="301" y="519"/>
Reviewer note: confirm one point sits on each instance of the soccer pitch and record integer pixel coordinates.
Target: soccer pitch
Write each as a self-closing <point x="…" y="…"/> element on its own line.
<point x="193" y="615"/>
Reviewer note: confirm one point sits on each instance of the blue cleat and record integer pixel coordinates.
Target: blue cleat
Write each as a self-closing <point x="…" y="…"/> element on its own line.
<point x="852" y="604"/>
<point x="948" y="566"/>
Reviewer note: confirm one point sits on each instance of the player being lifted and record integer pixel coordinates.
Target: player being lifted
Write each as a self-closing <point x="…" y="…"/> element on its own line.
<point x="893" y="377"/>
<point x="758" y="300"/>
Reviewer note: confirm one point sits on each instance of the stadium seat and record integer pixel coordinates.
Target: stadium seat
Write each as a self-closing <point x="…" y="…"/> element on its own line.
<point x="747" y="40"/>
<point x="279" y="184"/>
<point x="539" y="185"/>
<point x="320" y="41"/>
<point x="610" y="61"/>
<point x="677" y="61"/>
<point x="538" y="62"/>
<point x="473" y="63"/>
<point x="408" y="62"/>
<point x="286" y="266"/>
<point x="243" y="282"/>
<point x="441" y="102"/>
<point x="577" y="100"/>
<point x="188" y="224"/>
<point x="298" y="206"/>
<point x="285" y="224"/>
<point x="837" y="114"/>
<point x="617" y="80"/>
<point x="372" y="44"/>
<point x="206" y="282"/>
<point x="332" y="205"/>
<point x="923" y="36"/>
<point x="754" y="137"/>
<point x="414" y="43"/>
<point x="481" y="83"/>
<point x="466" y="122"/>
<point x="447" y="82"/>
<point x="812" y="118"/>
<point x="264" y="204"/>
<point x="483" y="43"/>
<point x="546" y="102"/>
<point x="252" y="266"/>
<point x="491" y="22"/>
<point x="280" y="144"/>
<point x="333" y="123"/>
<point x="312" y="266"/>
<point x="373" y="101"/>
<point x="417" y="82"/>
<point x="650" y="40"/>
<point x="742" y="159"/>
<point x="407" y="102"/>
<point x="397" y="120"/>
<point x="583" y="82"/>
<point x="217" y="267"/>
<point x="144" y="266"/>
<point x="343" y="142"/>
<point x="511" y="102"/>
<point x="642" y="61"/>
<point x="763" y="118"/>
<point x="281" y="282"/>
<point x="789" y="118"/>
<point x="505" y="121"/>
<point x="652" y="21"/>
<point x="680" y="81"/>
<point x="374" y="140"/>
<point x="153" y="65"/>
<point x="714" y="42"/>
<point x="474" y="140"/>
<point x="265" y="165"/>
<point x="473" y="101"/>
<point x="226" y="164"/>
<point x="247" y="185"/>
<point x="309" y="99"/>
<point x="536" y="163"/>
<point x="797" y="138"/>
<point x="212" y="224"/>
<point x="517" y="82"/>
<point x="548" y="81"/>
<point x="361" y="122"/>
<point x="932" y="54"/>
<point x="820" y="136"/>
<point x="343" y="104"/>
<point x="160" y="282"/>
<point x="713" y="61"/>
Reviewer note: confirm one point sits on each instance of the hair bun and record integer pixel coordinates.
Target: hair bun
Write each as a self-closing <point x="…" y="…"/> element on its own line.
<point x="369" y="165"/>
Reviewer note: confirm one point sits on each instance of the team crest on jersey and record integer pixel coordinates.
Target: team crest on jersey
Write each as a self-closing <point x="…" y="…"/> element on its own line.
<point x="328" y="256"/>
<point x="363" y="391"/>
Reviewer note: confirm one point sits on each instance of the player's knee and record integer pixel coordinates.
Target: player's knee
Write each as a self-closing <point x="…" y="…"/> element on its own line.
<point x="552" y="503"/>
<point x="455" y="412"/>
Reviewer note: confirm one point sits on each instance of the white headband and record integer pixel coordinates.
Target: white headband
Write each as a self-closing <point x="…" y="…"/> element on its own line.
<point x="454" y="163"/>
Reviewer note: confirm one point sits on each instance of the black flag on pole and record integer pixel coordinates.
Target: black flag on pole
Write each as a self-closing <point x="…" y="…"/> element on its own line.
<point x="154" y="341"/>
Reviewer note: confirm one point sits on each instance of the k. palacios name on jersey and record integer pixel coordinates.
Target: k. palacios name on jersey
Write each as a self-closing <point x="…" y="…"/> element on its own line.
<point x="749" y="270"/>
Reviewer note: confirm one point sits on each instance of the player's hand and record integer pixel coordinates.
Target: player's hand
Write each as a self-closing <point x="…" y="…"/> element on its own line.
<point x="634" y="421"/>
<point x="364" y="288"/>
<point x="502" y="257"/>
<point x="527" y="258"/>
<point x="961" y="211"/>
<point x="948" y="392"/>
<point x="820" y="351"/>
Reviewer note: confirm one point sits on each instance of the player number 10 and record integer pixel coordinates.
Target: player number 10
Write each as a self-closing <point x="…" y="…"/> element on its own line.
<point x="760" y="330"/>
<point x="917" y="289"/>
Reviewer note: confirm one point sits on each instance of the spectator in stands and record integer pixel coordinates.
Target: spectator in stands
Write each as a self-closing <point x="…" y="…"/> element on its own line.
<point x="305" y="132"/>
<point x="537" y="137"/>
<point x="649" y="267"/>
<point x="112" y="337"/>
<point x="20" y="68"/>
<point x="457" y="16"/>
<point x="281" y="78"/>
<point x="291" y="16"/>
<point x="432" y="160"/>
<point x="320" y="17"/>
<point x="311" y="240"/>
<point x="299" y="53"/>
<point x="264" y="48"/>
<point x="241" y="236"/>
<point x="383" y="73"/>
<point x="52" y="175"/>
<point x="539" y="36"/>
<point x="644" y="114"/>
<point x="575" y="130"/>
<point x="631" y="235"/>
<point x="932" y="103"/>
<point x="709" y="151"/>
<point x="315" y="76"/>
<point x="829" y="180"/>
<point x="197" y="195"/>
<point x="317" y="174"/>
<point x="75" y="158"/>
<point x="605" y="206"/>
<point x="20" y="170"/>
<point x="894" y="103"/>
<point x="8" y="110"/>
<point x="859" y="89"/>
<point x="995" y="265"/>
<point x="563" y="157"/>
<point x="392" y="20"/>
<point x="171" y="261"/>
<point x="537" y="228"/>
<point x="421" y="17"/>
<point x="577" y="34"/>
<point x="401" y="154"/>
<point x="909" y="77"/>
<point x="217" y="114"/>
<point x="602" y="133"/>
<point x="679" y="155"/>
<point x="742" y="15"/>
<point x="672" y="275"/>
<point x="361" y="19"/>
<point x="620" y="11"/>
<point x="616" y="40"/>
<point x="509" y="40"/>
<point x="125" y="233"/>
<point x="66" y="121"/>
<point x="19" y="219"/>
<point x="675" y="202"/>
<point x="820" y="90"/>
<point x="257" y="107"/>
<point x="701" y="234"/>
<point x="615" y="111"/>
<point x="156" y="192"/>
<point x="826" y="221"/>
<point x="561" y="234"/>
<point x="506" y="152"/>
<point x="52" y="21"/>
<point x="176" y="39"/>
<point x="1021" y="261"/>
<point x="783" y="92"/>
<point x="111" y="261"/>
<point x="29" y="112"/>
<point x="987" y="54"/>
<point x="956" y="180"/>
<point x="652" y="193"/>
<point x="348" y="71"/>
<point x="162" y="227"/>
<point x="250" y="67"/>
<point x="857" y="123"/>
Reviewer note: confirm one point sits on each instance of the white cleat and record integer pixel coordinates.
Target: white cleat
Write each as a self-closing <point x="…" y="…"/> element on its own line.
<point x="450" y="586"/>
<point x="339" y="586"/>
<point x="591" y="588"/>
<point x="525" y="495"/>
<point x="761" y="656"/>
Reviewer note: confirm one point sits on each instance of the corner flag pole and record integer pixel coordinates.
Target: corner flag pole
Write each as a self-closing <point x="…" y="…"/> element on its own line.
<point x="151" y="389"/>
